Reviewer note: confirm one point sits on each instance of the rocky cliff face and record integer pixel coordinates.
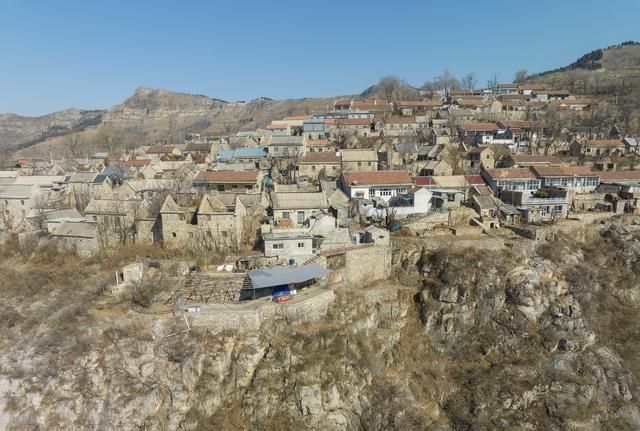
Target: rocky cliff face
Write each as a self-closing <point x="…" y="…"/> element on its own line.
<point x="467" y="339"/>
<point x="148" y="115"/>
<point x="149" y="109"/>
<point x="17" y="131"/>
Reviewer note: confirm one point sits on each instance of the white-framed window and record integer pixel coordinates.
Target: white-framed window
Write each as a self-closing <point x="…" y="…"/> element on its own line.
<point x="301" y="245"/>
<point x="278" y="246"/>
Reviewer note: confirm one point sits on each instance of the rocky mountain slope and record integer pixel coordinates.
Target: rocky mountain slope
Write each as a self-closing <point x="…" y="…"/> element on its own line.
<point x="18" y="131"/>
<point x="527" y="338"/>
<point x="146" y="116"/>
<point x="605" y="72"/>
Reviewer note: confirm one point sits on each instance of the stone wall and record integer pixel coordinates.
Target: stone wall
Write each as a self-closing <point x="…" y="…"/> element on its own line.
<point x="484" y="242"/>
<point x="357" y="266"/>
<point x="251" y="315"/>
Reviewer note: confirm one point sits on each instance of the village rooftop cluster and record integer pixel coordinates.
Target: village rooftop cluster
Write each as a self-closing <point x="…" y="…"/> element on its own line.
<point x="325" y="184"/>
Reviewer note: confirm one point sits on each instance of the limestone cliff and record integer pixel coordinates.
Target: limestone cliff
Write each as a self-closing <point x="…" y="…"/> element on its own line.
<point x="523" y="338"/>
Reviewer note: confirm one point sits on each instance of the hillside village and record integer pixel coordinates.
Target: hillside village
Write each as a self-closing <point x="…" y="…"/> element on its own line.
<point x="279" y="208"/>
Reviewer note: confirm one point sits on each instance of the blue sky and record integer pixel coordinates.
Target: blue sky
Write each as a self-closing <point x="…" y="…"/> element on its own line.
<point x="93" y="54"/>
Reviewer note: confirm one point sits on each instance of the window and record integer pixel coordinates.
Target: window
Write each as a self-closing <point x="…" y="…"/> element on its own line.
<point x="220" y="187"/>
<point x="301" y="245"/>
<point x="359" y="163"/>
<point x="22" y="202"/>
<point x="313" y="167"/>
<point x="278" y="246"/>
<point x="173" y="234"/>
<point x="333" y="168"/>
<point x="300" y="217"/>
<point x="369" y="163"/>
<point x="285" y="214"/>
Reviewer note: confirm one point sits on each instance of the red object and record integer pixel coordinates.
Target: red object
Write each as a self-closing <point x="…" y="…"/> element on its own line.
<point x="284" y="298"/>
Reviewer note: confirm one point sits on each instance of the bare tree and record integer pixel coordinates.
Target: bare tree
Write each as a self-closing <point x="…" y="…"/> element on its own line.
<point x="469" y="81"/>
<point x="552" y="129"/>
<point x="520" y="76"/>
<point x="492" y="83"/>
<point x="392" y="88"/>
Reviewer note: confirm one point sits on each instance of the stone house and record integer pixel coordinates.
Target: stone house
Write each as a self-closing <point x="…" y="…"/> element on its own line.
<point x="314" y="129"/>
<point x="383" y="184"/>
<point x="319" y="145"/>
<point x="519" y="179"/>
<point x="211" y="226"/>
<point x="292" y="209"/>
<point x="481" y="158"/>
<point x="481" y="132"/>
<point x="597" y="147"/>
<point x="485" y="206"/>
<point x="286" y="146"/>
<point x="400" y="126"/>
<point x="355" y="126"/>
<point x="439" y="136"/>
<point x="163" y="150"/>
<point x="254" y="156"/>
<point x="545" y="204"/>
<point x="78" y="237"/>
<point x="413" y="107"/>
<point x="359" y="160"/>
<point x="436" y="168"/>
<point x="223" y="181"/>
<point x="288" y="245"/>
<point x="577" y="179"/>
<point x="279" y="129"/>
<point x="16" y="202"/>
<point x="115" y="219"/>
<point x="311" y="164"/>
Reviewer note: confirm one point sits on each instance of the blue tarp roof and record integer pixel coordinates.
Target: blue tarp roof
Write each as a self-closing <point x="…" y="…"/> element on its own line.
<point x="280" y="275"/>
<point x="242" y="153"/>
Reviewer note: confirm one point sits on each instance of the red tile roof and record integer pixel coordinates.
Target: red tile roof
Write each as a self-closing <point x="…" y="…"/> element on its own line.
<point x="377" y="178"/>
<point x="160" y="149"/>
<point x="515" y="173"/>
<point x="138" y="162"/>
<point x="319" y="157"/>
<point x="424" y="181"/>
<point x="479" y="127"/>
<point x="474" y="180"/>
<point x="563" y="171"/>
<point x="619" y="175"/>
<point x="227" y="176"/>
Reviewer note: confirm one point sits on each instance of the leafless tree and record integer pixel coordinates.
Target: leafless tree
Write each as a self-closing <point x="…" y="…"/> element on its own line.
<point x="492" y="83"/>
<point x="392" y="88"/>
<point x="520" y="76"/>
<point x="553" y="129"/>
<point x="469" y="81"/>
